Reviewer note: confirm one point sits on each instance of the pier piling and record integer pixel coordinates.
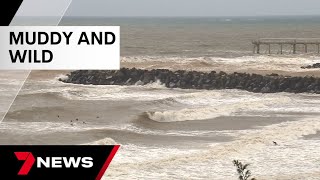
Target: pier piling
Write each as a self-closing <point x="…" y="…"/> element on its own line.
<point x="305" y="48"/>
<point x="282" y="42"/>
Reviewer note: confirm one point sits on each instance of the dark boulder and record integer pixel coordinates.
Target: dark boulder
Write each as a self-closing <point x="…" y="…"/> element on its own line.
<point x="313" y="66"/>
<point x="197" y="80"/>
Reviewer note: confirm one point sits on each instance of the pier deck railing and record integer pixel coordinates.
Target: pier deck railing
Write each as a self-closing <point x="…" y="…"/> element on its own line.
<point x="280" y="42"/>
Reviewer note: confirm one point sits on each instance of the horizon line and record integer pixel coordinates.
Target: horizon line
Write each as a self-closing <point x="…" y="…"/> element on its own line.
<point x="179" y="16"/>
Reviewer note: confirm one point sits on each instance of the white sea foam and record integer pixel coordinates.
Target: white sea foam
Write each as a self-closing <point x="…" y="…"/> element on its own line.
<point x="194" y="104"/>
<point x="216" y="108"/>
<point x="61" y="76"/>
<point x="191" y="114"/>
<point x="104" y="141"/>
<point x="140" y="130"/>
<point x="266" y="63"/>
<point x="293" y="158"/>
<point x="155" y="85"/>
<point x="98" y="92"/>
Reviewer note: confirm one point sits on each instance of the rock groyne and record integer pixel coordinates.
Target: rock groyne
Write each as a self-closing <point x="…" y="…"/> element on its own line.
<point x="197" y="80"/>
<point x="313" y="66"/>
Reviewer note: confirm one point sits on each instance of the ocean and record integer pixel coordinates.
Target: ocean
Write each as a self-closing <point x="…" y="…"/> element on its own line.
<point x="178" y="133"/>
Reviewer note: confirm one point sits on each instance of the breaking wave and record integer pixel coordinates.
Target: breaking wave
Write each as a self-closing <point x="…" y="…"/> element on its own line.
<point x="104" y="141"/>
<point x="266" y="63"/>
<point x="213" y="110"/>
<point x="248" y="146"/>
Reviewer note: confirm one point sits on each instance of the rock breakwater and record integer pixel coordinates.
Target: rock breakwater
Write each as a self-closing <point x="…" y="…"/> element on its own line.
<point x="197" y="80"/>
<point x="313" y="66"/>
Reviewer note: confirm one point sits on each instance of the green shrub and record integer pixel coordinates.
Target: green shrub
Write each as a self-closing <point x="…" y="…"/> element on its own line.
<point x="243" y="172"/>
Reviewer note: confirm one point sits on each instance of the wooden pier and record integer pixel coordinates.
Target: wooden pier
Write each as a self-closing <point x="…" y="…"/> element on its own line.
<point x="293" y="43"/>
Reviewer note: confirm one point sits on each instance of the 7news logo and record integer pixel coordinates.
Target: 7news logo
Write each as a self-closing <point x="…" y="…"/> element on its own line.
<point x="51" y="162"/>
<point x="81" y="162"/>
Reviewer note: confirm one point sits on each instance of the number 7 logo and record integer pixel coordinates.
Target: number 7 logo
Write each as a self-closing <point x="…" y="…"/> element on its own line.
<point x="27" y="165"/>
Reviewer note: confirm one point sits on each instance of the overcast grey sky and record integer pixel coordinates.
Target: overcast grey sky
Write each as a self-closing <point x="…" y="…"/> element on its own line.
<point x="177" y="7"/>
<point x="193" y="7"/>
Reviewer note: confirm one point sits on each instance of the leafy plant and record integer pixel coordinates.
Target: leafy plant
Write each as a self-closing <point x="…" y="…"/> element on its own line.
<point x="243" y="172"/>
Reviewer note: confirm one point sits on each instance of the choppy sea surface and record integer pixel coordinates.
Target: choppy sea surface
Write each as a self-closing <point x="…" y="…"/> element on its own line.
<point x="174" y="133"/>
